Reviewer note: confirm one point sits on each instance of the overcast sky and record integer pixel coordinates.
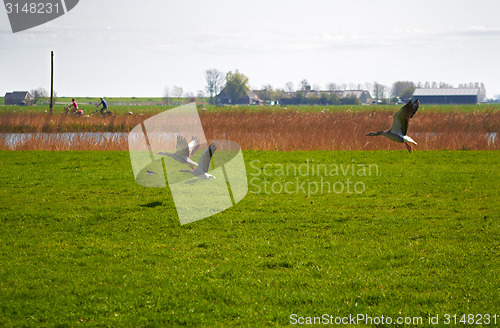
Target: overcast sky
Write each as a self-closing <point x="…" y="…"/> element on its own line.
<point x="128" y="48"/>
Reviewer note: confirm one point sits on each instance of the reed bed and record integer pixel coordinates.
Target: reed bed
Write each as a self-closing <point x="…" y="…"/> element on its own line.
<point x="42" y="122"/>
<point x="347" y="130"/>
<point x="278" y="130"/>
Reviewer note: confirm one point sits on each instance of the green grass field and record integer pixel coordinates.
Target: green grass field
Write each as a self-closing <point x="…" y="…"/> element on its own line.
<point x="142" y="105"/>
<point x="82" y="244"/>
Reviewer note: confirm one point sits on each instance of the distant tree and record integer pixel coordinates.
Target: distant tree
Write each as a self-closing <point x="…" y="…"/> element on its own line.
<point x="350" y="100"/>
<point x="331" y="87"/>
<point x="289" y="87"/>
<point x="368" y="86"/>
<point x="403" y="89"/>
<point x="324" y="98"/>
<point x="443" y="85"/>
<point x="300" y="97"/>
<point x="200" y="94"/>
<point x="355" y="86"/>
<point x="39" y="93"/>
<point x="267" y="92"/>
<point x="378" y="90"/>
<point x="304" y="86"/>
<point x="166" y="95"/>
<point x="215" y="83"/>
<point x="482" y="92"/>
<point x="407" y="93"/>
<point x="236" y="85"/>
<point x="177" y="91"/>
<point x="334" y="99"/>
<point x="278" y="94"/>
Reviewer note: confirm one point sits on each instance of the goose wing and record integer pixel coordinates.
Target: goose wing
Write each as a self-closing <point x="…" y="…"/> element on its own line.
<point x="402" y="117"/>
<point x="204" y="162"/>
<point x="193" y="145"/>
<point x="182" y="148"/>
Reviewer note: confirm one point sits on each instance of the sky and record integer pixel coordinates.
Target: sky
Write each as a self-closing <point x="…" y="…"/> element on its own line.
<point x="125" y="48"/>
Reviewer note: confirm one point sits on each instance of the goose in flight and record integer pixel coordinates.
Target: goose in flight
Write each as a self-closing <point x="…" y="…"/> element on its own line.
<point x="202" y="169"/>
<point x="400" y="125"/>
<point x="184" y="151"/>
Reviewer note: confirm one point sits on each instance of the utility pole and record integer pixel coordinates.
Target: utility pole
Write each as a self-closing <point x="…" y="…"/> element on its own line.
<point x="51" y="81"/>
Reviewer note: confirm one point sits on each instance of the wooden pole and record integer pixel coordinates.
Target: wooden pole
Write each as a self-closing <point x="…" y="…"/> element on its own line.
<point x="51" y="81"/>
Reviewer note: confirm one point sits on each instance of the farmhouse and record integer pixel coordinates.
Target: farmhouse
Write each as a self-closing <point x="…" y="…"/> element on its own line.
<point x="18" y="98"/>
<point x="447" y="95"/>
<point x="364" y="96"/>
<point x="248" y="98"/>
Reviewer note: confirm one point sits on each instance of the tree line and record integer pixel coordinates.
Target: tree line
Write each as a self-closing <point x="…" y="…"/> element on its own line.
<point x="235" y="84"/>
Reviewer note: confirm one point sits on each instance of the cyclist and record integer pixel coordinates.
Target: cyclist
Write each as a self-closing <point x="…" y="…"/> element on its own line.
<point x="104" y="105"/>
<point x="74" y="106"/>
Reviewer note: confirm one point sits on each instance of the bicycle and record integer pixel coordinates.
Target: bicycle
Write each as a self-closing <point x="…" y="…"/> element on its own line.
<point x="105" y="113"/>
<point x="67" y="111"/>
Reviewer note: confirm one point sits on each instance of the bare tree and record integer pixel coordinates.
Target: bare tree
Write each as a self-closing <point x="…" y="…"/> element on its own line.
<point x="166" y="95"/>
<point x="483" y="92"/>
<point x="177" y="91"/>
<point x="304" y="86"/>
<point x="368" y="86"/>
<point x="39" y="93"/>
<point x="215" y="82"/>
<point x="331" y="86"/>
<point x="445" y="85"/>
<point x="378" y="90"/>
<point x="289" y="86"/>
<point x="200" y="94"/>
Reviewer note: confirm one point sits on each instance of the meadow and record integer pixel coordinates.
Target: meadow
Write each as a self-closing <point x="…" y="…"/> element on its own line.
<point x="82" y="244"/>
<point x="153" y="106"/>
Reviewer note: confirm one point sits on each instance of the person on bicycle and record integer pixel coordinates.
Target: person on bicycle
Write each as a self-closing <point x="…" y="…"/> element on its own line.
<point x="104" y="105"/>
<point x="74" y="105"/>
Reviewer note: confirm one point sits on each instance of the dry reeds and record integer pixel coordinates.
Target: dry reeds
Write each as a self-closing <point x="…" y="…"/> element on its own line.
<point x="279" y="130"/>
<point x="347" y="130"/>
<point x="39" y="122"/>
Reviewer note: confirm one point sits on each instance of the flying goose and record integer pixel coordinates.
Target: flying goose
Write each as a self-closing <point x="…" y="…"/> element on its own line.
<point x="202" y="169"/>
<point x="184" y="151"/>
<point x="400" y="125"/>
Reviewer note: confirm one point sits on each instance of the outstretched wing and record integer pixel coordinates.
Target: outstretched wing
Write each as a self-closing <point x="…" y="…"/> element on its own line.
<point x="193" y="146"/>
<point x="403" y="116"/>
<point x="204" y="162"/>
<point x="182" y="148"/>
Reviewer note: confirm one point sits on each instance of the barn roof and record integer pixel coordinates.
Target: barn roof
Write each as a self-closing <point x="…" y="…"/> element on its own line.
<point x="247" y="92"/>
<point x="18" y="95"/>
<point x="446" y="92"/>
